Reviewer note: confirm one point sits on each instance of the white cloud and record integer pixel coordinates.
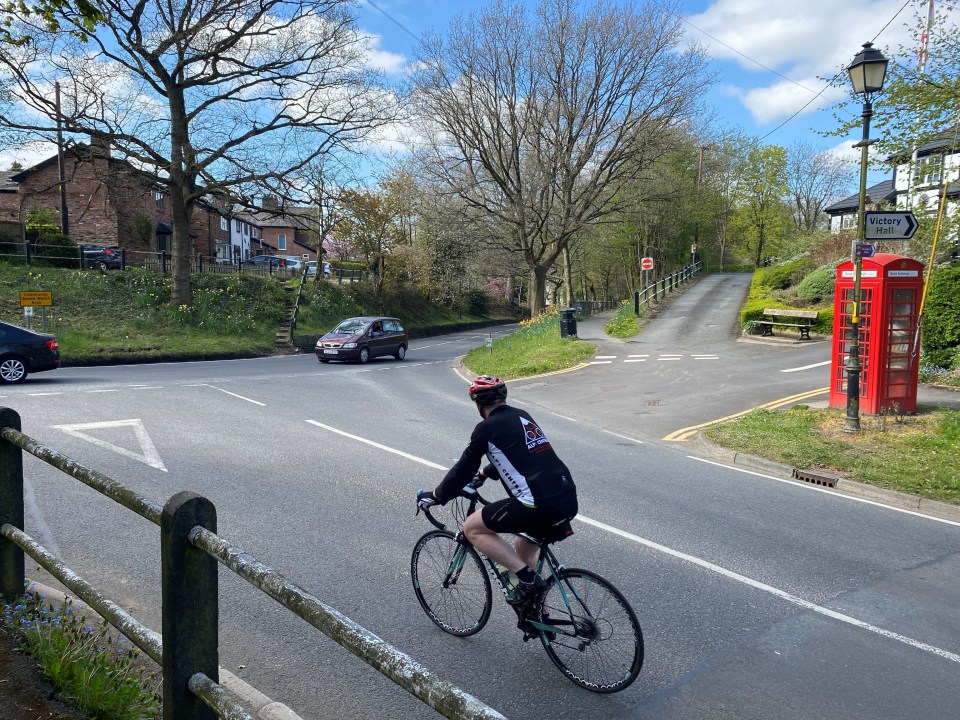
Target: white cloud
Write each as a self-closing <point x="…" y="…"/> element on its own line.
<point x="793" y="45"/>
<point x="28" y="154"/>
<point x="384" y="60"/>
<point x="771" y="103"/>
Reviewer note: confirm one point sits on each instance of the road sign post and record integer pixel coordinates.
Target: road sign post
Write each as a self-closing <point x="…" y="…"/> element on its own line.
<point x="889" y="225"/>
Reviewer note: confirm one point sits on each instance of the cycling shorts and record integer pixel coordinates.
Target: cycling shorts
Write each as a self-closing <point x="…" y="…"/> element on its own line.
<point x="512" y="516"/>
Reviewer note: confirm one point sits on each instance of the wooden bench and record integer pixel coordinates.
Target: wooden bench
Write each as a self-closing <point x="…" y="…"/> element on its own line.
<point x="806" y="317"/>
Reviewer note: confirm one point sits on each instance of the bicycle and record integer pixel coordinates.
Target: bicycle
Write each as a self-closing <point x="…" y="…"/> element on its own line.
<point x="587" y="627"/>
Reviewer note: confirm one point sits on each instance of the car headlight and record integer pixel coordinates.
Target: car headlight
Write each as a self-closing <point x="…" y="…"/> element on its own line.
<point x="349" y="346"/>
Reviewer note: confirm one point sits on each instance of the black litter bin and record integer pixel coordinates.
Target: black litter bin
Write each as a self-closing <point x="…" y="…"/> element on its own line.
<point x="568" y="322"/>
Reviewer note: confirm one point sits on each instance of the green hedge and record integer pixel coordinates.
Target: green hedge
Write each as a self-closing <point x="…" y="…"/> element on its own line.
<point x="761" y="296"/>
<point x="941" y="318"/>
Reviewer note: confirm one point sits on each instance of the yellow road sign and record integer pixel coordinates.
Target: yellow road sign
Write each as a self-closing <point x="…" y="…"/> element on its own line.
<point x="36" y="298"/>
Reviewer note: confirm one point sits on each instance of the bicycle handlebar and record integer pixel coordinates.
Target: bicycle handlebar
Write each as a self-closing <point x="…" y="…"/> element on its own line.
<point x="470" y="492"/>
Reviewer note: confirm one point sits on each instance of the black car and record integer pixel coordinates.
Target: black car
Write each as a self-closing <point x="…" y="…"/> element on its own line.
<point x="102" y="256"/>
<point x="24" y="351"/>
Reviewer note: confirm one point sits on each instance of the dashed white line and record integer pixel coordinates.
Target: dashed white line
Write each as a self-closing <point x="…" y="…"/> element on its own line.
<point x="378" y="445"/>
<point x="241" y="397"/>
<point x="90" y="392"/>
<point x="562" y="416"/>
<point x="44" y="394"/>
<point x="624" y="437"/>
<point x="635" y="360"/>
<point x="606" y="357"/>
<point x="638" y="356"/>
<point x="600" y="362"/>
<point x="663" y="358"/>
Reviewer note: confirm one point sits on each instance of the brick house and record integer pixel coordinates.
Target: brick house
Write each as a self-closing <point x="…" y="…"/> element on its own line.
<point x="108" y="200"/>
<point x="291" y="231"/>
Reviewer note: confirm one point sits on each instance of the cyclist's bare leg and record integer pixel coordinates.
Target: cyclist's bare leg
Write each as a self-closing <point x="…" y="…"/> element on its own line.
<point x="528" y="552"/>
<point x="491" y="544"/>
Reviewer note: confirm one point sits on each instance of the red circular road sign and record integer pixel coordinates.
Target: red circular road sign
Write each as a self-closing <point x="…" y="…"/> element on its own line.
<point x="646" y="263"/>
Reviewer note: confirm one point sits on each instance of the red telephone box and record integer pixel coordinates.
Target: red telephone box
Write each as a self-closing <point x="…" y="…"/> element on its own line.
<point x="890" y="290"/>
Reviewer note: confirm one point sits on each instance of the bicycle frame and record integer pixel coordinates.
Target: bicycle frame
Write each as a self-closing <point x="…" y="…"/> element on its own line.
<point x="546" y="560"/>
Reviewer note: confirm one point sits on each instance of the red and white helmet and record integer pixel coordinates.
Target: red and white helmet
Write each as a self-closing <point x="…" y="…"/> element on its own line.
<point x="487" y="389"/>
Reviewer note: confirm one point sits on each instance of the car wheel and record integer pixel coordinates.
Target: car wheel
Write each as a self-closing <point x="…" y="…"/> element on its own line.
<point x="401" y="352"/>
<point x="12" y="370"/>
<point x="364" y="355"/>
<point x="102" y="266"/>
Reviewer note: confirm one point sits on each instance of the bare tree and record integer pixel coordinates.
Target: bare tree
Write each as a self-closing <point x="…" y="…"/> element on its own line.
<point x="537" y="113"/>
<point x="814" y="179"/>
<point x="215" y="97"/>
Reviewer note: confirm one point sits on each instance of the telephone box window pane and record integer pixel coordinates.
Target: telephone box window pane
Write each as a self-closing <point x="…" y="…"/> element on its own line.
<point x="903" y="294"/>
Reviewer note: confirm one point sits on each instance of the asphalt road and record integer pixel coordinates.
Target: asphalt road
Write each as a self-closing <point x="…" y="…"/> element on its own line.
<point x="759" y="598"/>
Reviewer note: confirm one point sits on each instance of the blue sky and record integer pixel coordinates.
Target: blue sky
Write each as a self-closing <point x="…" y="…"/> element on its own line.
<point x="770" y="55"/>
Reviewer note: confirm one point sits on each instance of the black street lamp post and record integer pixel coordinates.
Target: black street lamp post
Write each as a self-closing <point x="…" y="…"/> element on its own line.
<point x="867" y="72"/>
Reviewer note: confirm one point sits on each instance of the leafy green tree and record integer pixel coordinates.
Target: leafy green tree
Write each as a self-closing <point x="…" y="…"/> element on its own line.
<point x="762" y="189"/>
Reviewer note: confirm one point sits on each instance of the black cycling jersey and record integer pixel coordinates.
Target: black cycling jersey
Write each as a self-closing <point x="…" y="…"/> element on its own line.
<point x="520" y="456"/>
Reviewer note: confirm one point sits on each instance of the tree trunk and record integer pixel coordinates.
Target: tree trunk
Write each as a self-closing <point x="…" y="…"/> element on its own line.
<point x="537" y="290"/>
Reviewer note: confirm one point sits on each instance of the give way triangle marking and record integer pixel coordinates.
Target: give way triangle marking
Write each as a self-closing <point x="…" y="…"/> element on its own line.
<point x="149" y="453"/>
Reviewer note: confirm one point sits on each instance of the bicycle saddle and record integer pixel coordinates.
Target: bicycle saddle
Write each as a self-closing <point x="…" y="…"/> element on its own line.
<point x="560" y="531"/>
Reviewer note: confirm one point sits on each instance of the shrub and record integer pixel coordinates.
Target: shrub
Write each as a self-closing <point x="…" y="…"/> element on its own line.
<point x="818" y="285"/>
<point x="57" y="249"/>
<point x="783" y="276"/>
<point x="941" y="318"/>
<point x="476" y="302"/>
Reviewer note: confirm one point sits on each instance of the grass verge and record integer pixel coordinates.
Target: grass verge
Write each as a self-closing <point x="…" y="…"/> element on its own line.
<point x="534" y="349"/>
<point x="100" y="677"/>
<point x="912" y="453"/>
<point x="623" y="324"/>
<point x="121" y="316"/>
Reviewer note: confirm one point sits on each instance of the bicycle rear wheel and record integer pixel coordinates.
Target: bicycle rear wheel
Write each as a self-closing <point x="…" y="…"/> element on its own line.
<point x="451" y="583"/>
<point x="595" y="639"/>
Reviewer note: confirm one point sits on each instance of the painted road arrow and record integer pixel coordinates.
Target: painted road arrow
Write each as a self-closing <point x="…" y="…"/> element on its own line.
<point x="889" y="225"/>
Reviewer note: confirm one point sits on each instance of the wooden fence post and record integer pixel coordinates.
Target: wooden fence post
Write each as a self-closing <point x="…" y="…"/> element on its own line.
<point x="190" y="606"/>
<point x="11" y="509"/>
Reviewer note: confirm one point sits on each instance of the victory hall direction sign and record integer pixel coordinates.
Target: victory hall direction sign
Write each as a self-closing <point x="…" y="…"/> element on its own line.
<point x="889" y="225"/>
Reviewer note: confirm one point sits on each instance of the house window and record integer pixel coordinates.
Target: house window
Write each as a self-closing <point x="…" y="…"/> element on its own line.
<point x="246" y="229"/>
<point x="928" y="170"/>
<point x="849" y="221"/>
<point x="281" y="242"/>
<point x="236" y="225"/>
<point x="224" y="224"/>
<point x="159" y="197"/>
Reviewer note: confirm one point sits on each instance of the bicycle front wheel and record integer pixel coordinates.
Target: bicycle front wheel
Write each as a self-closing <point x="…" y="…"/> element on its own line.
<point x="451" y="583"/>
<point x="595" y="638"/>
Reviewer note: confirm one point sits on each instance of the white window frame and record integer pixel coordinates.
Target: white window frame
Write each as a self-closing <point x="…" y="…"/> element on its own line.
<point x="281" y="241"/>
<point x="224" y="223"/>
<point x="928" y="170"/>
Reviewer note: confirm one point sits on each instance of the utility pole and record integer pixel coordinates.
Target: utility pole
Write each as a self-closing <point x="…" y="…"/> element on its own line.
<point x="61" y="169"/>
<point x="696" y="224"/>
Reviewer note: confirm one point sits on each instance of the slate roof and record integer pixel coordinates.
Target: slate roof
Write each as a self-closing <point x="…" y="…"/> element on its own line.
<point x="880" y="192"/>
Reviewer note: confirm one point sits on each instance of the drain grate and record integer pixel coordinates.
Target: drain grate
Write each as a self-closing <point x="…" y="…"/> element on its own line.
<point x="611" y="388"/>
<point x="816" y="478"/>
<point x="533" y="385"/>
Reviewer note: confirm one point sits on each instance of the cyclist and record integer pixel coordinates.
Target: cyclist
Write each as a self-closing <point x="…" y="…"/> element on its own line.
<point x="541" y="489"/>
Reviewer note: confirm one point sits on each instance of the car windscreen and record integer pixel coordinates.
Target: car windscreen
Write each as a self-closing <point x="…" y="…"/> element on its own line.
<point x="350" y="327"/>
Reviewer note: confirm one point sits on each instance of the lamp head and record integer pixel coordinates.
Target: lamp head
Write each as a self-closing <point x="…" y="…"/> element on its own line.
<point x="868" y="70"/>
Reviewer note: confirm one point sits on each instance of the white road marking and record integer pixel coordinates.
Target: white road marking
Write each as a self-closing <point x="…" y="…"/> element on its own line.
<point x="730" y="574"/>
<point x="707" y="357"/>
<point x="147" y="387"/>
<point x="378" y="445"/>
<point x="638" y="356"/>
<point x="600" y="362"/>
<point x="669" y="357"/>
<point x="150" y="456"/>
<point x="789" y="597"/>
<point x="639" y="442"/>
<point x="606" y="357"/>
<point x="814" y="488"/>
<point x="562" y="416"/>
<point x="103" y="391"/>
<point x="807" y="367"/>
<point x="45" y="394"/>
<point x="635" y="360"/>
<point x="241" y="397"/>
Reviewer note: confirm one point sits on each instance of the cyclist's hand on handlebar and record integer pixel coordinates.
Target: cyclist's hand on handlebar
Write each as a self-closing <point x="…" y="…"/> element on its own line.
<point x="425" y="499"/>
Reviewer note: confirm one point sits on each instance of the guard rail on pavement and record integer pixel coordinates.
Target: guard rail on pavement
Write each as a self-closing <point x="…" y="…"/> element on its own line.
<point x="657" y="289"/>
<point x="187" y="648"/>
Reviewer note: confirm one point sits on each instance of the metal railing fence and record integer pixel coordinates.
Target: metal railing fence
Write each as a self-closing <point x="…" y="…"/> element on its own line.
<point x="651" y="293"/>
<point x="162" y="261"/>
<point x="187" y="648"/>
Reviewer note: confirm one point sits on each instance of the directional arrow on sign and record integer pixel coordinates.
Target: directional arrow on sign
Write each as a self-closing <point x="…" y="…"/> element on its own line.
<point x="889" y="225"/>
